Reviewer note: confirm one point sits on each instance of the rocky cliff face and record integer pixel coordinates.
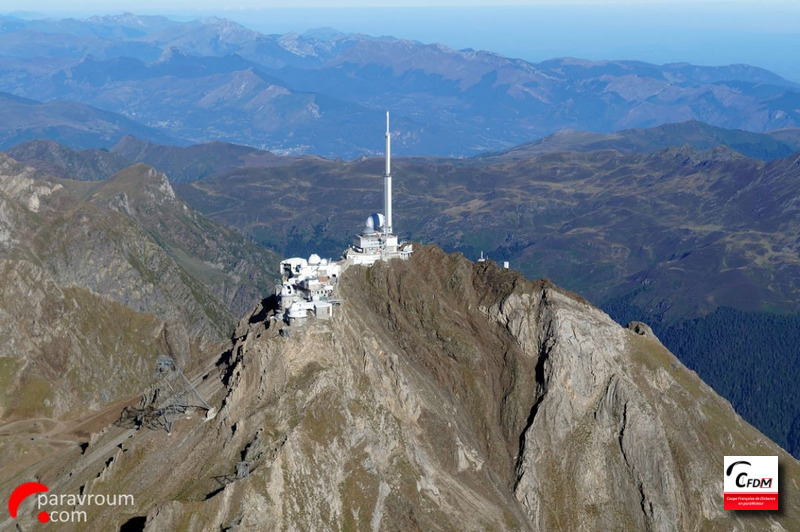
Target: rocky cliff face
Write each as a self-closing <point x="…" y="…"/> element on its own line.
<point x="444" y="395"/>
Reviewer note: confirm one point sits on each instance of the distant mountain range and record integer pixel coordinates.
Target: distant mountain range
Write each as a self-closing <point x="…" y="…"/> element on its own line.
<point x="323" y="92"/>
<point x="199" y="161"/>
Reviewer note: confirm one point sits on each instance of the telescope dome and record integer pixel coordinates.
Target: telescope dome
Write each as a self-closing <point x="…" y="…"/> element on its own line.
<point x="374" y="222"/>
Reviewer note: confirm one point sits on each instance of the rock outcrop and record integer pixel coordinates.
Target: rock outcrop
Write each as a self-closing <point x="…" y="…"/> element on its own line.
<point x="442" y="395"/>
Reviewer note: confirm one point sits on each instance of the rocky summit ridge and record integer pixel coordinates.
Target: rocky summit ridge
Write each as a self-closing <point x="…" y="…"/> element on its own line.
<point x="443" y="395"/>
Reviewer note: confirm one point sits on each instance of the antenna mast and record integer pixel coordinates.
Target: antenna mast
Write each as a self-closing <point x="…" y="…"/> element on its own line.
<point x="387" y="181"/>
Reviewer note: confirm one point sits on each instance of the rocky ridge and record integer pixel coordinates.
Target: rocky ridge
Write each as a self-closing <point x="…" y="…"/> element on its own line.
<point x="444" y="395"/>
<point x="99" y="278"/>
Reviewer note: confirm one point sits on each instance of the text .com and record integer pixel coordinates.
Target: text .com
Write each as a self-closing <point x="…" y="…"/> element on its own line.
<point x="47" y="501"/>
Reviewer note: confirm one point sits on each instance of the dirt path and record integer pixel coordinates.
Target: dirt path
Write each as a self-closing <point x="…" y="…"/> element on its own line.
<point x="71" y="430"/>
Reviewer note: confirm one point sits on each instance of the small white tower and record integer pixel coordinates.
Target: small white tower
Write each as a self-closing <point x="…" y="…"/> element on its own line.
<point x="387" y="181"/>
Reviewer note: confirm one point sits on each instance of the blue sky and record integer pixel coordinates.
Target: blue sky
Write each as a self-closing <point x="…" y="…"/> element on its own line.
<point x="713" y="32"/>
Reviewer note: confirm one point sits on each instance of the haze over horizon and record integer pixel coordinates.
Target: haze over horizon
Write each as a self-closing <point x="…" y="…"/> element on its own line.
<point x="709" y="33"/>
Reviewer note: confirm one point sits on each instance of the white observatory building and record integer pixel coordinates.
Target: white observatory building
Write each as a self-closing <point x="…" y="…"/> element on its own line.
<point x="307" y="286"/>
<point x="377" y="240"/>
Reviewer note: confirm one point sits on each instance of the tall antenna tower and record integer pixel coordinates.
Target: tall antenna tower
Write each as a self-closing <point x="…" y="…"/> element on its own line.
<point x="387" y="182"/>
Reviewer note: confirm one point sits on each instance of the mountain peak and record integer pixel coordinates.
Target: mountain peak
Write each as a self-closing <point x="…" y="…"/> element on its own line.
<point x="294" y="43"/>
<point x="229" y="30"/>
<point x="139" y="188"/>
<point x="171" y="53"/>
<point x="442" y="394"/>
<point x="323" y="34"/>
<point x="497" y="377"/>
<point x="142" y="174"/>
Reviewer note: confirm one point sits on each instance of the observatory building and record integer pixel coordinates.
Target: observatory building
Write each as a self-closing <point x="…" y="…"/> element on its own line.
<point x="307" y="286"/>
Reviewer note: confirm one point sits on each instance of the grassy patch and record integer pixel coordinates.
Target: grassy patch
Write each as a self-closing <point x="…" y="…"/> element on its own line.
<point x="8" y="370"/>
<point x="30" y="401"/>
<point x="323" y="421"/>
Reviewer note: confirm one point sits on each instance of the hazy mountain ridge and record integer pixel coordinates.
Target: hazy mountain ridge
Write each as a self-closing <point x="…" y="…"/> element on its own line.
<point x="502" y="403"/>
<point x="724" y="196"/>
<point x="70" y="123"/>
<point x="700" y="136"/>
<point x="197" y="161"/>
<point x="323" y="92"/>
<point x="179" y="163"/>
<point x="60" y="161"/>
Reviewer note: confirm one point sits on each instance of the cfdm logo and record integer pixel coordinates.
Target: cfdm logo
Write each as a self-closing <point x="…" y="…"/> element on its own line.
<point x="751" y="482"/>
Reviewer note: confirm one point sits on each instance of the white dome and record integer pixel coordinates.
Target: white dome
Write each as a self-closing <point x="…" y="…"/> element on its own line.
<point x="314" y="259"/>
<point x="375" y="222"/>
